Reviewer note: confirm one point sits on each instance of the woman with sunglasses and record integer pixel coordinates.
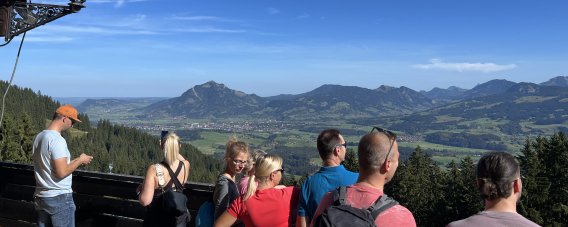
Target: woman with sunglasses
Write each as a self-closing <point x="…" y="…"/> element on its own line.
<point x="226" y="190"/>
<point x="264" y="204"/>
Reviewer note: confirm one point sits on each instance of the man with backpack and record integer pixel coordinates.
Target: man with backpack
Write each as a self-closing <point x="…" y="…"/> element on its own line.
<point x="365" y="202"/>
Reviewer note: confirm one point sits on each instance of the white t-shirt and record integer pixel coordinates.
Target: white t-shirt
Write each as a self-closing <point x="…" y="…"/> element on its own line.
<point x="48" y="146"/>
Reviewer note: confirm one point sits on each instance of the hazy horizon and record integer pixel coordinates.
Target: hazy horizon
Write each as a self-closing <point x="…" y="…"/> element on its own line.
<point x="135" y="97"/>
<point x="148" y="48"/>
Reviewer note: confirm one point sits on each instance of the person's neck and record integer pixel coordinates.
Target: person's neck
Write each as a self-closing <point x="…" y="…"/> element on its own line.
<point x="371" y="181"/>
<point x="231" y="175"/>
<point x="55" y="127"/>
<point x="265" y="185"/>
<point x="331" y="162"/>
<point x="501" y="205"/>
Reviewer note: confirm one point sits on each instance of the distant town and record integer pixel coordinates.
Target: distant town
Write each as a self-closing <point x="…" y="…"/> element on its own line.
<point x="263" y="126"/>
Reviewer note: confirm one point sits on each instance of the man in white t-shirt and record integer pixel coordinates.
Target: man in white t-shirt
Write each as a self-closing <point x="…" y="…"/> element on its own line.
<point x="53" y="197"/>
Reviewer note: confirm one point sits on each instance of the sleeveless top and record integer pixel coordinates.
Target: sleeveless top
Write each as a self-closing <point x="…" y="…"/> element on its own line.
<point x="158" y="191"/>
<point x="155" y="215"/>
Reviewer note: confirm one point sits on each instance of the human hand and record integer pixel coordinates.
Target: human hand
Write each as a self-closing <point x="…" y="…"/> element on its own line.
<point x="85" y="159"/>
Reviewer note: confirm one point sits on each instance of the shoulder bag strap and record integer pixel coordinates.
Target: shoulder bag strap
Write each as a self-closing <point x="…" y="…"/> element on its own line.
<point x="383" y="203"/>
<point x="339" y="196"/>
<point x="173" y="177"/>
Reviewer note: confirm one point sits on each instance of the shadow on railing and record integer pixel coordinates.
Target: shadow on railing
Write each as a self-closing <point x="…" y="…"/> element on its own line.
<point x="102" y="199"/>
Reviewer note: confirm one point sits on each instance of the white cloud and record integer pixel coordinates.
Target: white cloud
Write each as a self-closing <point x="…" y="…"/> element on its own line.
<point x="95" y="30"/>
<point x="200" y="18"/>
<point x="273" y="11"/>
<point x="119" y="3"/>
<point x="208" y="30"/>
<point x="50" y="39"/>
<point x="131" y="21"/>
<point x="464" y="66"/>
<point x="303" y="16"/>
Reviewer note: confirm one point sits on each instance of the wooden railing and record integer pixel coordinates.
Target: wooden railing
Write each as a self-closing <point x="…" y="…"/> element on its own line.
<point x="102" y="199"/>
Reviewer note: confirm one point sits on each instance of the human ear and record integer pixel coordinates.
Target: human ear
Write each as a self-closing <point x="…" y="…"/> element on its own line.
<point x="517" y="185"/>
<point x="273" y="175"/>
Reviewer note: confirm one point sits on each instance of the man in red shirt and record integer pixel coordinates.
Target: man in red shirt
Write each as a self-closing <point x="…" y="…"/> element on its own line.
<point x="378" y="161"/>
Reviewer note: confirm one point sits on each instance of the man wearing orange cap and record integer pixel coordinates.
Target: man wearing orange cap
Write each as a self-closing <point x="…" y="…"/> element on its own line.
<point x="53" y="197"/>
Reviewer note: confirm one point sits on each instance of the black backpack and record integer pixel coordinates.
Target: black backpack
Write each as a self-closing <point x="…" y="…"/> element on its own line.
<point x="342" y="214"/>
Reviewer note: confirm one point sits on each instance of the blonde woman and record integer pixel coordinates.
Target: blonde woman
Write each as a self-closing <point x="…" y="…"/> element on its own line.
<point x="150" y="192"/>
<point x="226" y="190"/>
<point x="264" y="204"/>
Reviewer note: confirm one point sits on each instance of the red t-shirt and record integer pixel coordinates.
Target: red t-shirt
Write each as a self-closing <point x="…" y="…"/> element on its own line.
<point x="268" y="207"/>
<point x="361" y="196"/>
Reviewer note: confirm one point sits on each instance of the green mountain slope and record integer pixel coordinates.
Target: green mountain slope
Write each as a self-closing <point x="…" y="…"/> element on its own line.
<point x="128" y="150"/>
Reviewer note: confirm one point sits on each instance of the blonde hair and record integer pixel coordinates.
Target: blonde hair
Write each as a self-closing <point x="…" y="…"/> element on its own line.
<point x="254" y="155"/>
<point x="264" y="166"/>
<point x="171" y="147"/>
<point x="234" y="148"/>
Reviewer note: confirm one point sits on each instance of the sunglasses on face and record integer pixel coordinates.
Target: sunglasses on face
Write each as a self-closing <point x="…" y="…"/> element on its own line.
<point x="73" y="122"/>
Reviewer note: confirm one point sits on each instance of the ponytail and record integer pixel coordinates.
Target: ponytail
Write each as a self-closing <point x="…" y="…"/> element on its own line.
<point x="171" y="148"/>
<point x="252" y="185"/>
<point x="263" y="167"/>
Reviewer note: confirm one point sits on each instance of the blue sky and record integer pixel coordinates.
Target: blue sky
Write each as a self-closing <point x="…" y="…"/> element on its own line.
<point x="161" y="48"/>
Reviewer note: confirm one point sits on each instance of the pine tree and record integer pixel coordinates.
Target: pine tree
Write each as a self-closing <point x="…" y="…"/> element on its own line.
<point x="417" y="185"/>
<point x="351" y="163"/>
<point x="535" y="184"/>
<point x="556" y="161"/>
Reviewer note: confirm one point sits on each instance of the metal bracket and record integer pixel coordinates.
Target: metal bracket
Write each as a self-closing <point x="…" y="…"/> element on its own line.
<point x="26" y="16"/>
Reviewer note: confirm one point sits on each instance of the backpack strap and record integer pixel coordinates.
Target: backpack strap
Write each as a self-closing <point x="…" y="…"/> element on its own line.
<point x="160" y="175"/>
<point x="383" y="203"/>
<point x="173" y="176"/>
<point x="339" y="196"/>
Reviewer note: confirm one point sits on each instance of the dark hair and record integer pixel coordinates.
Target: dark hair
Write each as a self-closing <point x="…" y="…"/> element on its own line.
<point x="327" y="141"/>
<point x="57" y="116"/>
<point x="495" y="173"/>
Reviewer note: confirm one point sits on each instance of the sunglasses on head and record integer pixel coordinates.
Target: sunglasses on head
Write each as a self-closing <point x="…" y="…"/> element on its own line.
<point x="391" y="135"/>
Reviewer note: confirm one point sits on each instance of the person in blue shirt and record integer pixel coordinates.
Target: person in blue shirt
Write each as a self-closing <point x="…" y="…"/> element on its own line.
<point x="332" y="149"/>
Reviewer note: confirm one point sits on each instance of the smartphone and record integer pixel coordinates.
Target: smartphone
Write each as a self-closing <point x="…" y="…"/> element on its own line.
<point x="163" y="135"/>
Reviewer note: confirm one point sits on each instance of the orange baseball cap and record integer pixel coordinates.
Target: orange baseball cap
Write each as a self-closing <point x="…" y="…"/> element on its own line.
<point x="68" y="111"/>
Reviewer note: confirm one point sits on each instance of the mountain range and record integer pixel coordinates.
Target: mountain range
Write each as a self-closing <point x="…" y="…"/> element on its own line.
<point x="510" y="111"/>
<point x="215" y="100"/>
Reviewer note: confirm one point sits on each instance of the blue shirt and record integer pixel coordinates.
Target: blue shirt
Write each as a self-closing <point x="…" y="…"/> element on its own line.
<point x="323" y="181"/>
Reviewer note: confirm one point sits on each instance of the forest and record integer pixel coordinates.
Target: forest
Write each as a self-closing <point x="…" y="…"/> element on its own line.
<point x="435" y="194"/>
<point x="127" y="150"/>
